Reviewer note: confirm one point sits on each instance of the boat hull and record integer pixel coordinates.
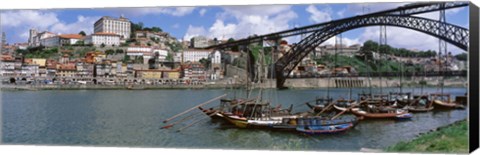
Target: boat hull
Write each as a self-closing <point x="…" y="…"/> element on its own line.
<point x="447" y="105"/>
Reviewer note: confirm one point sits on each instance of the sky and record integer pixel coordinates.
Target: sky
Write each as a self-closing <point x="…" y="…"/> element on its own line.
<point x="224" y="22"/>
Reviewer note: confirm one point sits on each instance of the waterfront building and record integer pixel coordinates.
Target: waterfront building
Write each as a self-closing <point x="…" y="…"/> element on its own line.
<point x="119" y="26"/>
<point x="84" y="69"/>
<point x="195" y="55"/>
<point x="66" y="70"/>
<point x="148" y="74"/>
<point x="51" y="68"/>
<point x="199" y="42"/>
<point x="7" y="66"/>
<point x="103" y="38"/>
<point x="29" y="70"/>
<point x="194" y="71"/>
<point x="102" y="70"/>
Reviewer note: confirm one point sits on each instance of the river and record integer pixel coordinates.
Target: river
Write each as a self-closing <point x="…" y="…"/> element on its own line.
<point x="133" y="118"/>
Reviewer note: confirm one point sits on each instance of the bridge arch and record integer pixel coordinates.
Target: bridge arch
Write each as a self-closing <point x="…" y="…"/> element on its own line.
<point x="453" y="34"/>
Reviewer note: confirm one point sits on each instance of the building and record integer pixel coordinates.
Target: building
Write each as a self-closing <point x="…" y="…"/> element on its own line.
<point x="103" y="38"/>
<point x="199" y="42"/>
<point x="7" y="66"/>
<point x="120" y="26"/>
<point x="84" y="69"/>
<point x="195" y="55"/>
<point x="61" y="40"/>
<point x="30" y="70"/>
<point x="194" y="71"/>
<point x="156" y="36"/>
<point x="340" y="50"/>
<point x="66" y="70"/>
<point x="139" y="50"/>
<point x="162" y="54"/>
<point x="35" y="38"/>
<point x="216" y="65"/>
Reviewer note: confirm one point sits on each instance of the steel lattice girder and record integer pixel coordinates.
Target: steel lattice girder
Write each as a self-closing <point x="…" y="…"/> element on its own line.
<point x="407" y="10"/>
<point x="452" y="34"/>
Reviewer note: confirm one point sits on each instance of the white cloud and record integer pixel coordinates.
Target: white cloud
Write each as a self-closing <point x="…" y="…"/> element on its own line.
<point x="202" y="11"/>
<point x="174" y="11"/>
<point x="364" y="8"/>
<point x="176" y="26"/>
<point x="19" y="22"/>
<point x="82" y="24"/>
<point x="194" y="31"/>
<point x="248" y="20"/>
<point x="345" y="41"/>
<point x="318" y="16"/>
<point x="405" y="38"/>
<point x="28" y="18"/>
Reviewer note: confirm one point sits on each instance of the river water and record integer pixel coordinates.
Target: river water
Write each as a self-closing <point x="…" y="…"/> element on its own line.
<point x="133" y="118"/>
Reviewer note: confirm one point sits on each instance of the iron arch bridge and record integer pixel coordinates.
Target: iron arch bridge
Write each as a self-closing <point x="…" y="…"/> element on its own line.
<point x="452" y="34"/>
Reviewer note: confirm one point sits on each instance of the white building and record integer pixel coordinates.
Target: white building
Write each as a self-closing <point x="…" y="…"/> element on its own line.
<point x="139" y="50"/>
<point x="35" y="38"/>
<point x="162" y="54"/>
<point x="194" y="55"/>
<point x="108" y="39"/>
<point x="120" y="26"/>
<point x="216" y="65"/>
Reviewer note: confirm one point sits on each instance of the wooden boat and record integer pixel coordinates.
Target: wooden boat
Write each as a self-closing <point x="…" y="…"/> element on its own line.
<point x="399" y="99"/>
<point x="316" y="124"/>
<point x="368" y="110"/>
<point x="342" y="104"/>
<point x="214" y="114"/>
<point x="442" y="101"/>
<point x="420" y="104"/>
<point x="321" y="104"/>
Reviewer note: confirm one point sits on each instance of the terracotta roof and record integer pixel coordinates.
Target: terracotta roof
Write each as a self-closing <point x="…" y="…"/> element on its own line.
<point x="71" y="36"/>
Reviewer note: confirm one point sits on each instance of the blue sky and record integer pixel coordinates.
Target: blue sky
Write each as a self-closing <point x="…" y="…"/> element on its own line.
<point x="225" y="21"/>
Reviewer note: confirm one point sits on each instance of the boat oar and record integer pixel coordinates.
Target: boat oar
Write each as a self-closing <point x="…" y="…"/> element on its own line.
<point x="194" y="108"/>
<point x="196" y="122"/>
<point x="324" y="109"/>
<point x="179" y="121"/>
<point x="351" y="106"/>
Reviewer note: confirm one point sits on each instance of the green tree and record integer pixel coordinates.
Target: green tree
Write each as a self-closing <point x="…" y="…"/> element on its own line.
<point x="110" y="52"/>
<point x="205" y="62"/>
<point x="156" y="29"/>
<point x="102" y="45"/>
<point x="117" y="51"/>
<point x="82" y="33"/>
<point x="461" y="57"/>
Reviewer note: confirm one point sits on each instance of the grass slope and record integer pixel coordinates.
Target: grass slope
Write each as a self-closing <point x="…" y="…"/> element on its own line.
<point x="450" y="139"/>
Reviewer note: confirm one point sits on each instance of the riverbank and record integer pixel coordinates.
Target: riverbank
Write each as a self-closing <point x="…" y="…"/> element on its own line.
<point x="148" y="87"/>
<point x="452" y="138"/>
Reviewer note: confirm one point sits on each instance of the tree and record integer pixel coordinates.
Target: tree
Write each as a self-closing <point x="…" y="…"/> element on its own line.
<point x="205" y="62"/>
<point x="118" y="51"/>
<point x="126" y="58"/>
<point x="102" y="45"/>
<point x="109" y="52"/>
<point x="156" y="29"/>
<point x="461" y="57"/>
<point x="82" y="33"/>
